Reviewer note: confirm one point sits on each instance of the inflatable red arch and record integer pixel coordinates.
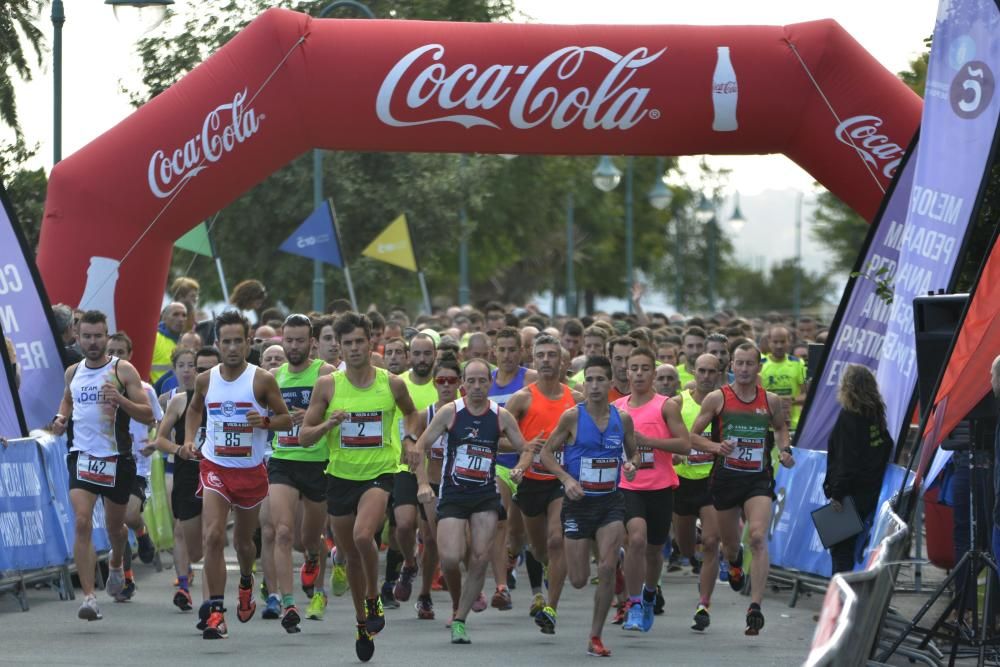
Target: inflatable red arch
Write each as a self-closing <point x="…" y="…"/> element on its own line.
<point x="289" y="83"/>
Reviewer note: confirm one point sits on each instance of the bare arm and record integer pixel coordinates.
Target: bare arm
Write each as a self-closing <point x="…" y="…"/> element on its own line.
<point x="65" y="405"/>
<point x="139" y="409"/>
<point x="411" y="417"/>
<point x="315" y="425"/>
<point x="170" y="417"/>
<point x="437" y="428"/>
<point x="710" y="409"/>
<point x="196" y="408"/>
<point x="564" y="432"/>
<point x="780" y="425"/>
<point x="267" y="393"/>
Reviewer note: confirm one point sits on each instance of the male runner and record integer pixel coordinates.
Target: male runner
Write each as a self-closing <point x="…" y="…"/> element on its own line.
<point x="397" y="356"/>
<point x="420" y="386"/>
<point x="296" y="473"/>
<point x="649" y="498"/>
<point x="694" y="347"/>
<point x="353" y="410"/>
<point x="594" y="438"/>
<point x="666" y="381"/>
<point x="741" y="415"/>
<point x="238" y="397"/>
<point x="537" y="409"/>
<point x="102" y="394"/>
<point x="185" y="503"/>
<point x="716" y="343"/>
<point x="595" y="344"/>
<point x="469" y="498"/>
<point x="120" y="346"/>
<point x="327" y="347"/>
<point x="619" y="349"/>
<point x="509" y="378"/>
<point x="692" y="500"/>
<point x="784" y="375"/>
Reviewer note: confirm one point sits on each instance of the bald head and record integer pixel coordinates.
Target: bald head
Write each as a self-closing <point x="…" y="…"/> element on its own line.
<point x="707" y="373"/>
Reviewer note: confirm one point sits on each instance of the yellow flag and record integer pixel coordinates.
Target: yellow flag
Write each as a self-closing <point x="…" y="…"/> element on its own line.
<point x="393" y="245"/>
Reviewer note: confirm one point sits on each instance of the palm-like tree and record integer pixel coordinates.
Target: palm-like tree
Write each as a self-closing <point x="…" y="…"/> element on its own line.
<point x="17" y="25"/>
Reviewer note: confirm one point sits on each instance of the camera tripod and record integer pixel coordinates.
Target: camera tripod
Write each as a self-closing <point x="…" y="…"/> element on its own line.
<point x="978" y="635"/>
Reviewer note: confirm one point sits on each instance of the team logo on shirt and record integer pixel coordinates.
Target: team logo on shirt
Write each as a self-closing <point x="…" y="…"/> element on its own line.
<point x="214" y="480"/>
<point x="306" y="394"/>
<point x="228" y="408"/>
<point x="472" y="432"/>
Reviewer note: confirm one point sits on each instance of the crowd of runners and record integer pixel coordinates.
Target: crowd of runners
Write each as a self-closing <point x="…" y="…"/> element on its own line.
<point x="483" y="450"/>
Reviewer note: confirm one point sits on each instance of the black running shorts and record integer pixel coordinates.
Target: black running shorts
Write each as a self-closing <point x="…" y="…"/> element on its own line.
<point x="691" y="496"/>
<point x="656" y="507"/>
<point x="729" y="492"/>
<point x="582" y="518"/>
<point x="308" y="477"/>
<point x="343" y="495"/>
<point x="534" y="496"/>
<point x="124" y="479"/>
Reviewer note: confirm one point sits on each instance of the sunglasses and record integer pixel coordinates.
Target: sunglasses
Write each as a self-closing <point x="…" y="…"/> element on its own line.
<point x="446" y="380"/>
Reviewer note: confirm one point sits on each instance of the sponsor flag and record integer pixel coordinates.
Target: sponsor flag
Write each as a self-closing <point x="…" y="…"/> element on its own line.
<point x="26" y="319"/>
<point x="316" y="238"/>
<point x="393" y="246"/>
<point x="197" y="241"/>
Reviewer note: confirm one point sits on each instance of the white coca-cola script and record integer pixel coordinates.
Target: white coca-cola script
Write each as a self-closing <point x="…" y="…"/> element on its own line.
<point x="224" y="128"/>
<point x="873" y="147"/>
<point x="611" y="104"/>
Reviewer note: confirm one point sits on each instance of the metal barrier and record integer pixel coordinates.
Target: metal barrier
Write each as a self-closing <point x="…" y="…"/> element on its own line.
<point x="830" y="642"/>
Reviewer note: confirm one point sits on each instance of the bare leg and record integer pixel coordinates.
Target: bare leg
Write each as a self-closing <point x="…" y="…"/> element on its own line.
<point x="282" y="500"/>
<point x="556" y="553"/>
<point x="709" y="551"/>
<point x="758" y="511"/>
<point x="215" y="512"/>
<point x="635" y="557"/>
<point x="451" y="548"/>
<point x="83" y="548"/>
<point x="114" y="515"/>
<point x="609" y="541"/>
<point x="267" y="540"/>
<point x="244" y="527"/>
<point x="483" y="527"/>
<point x="428" y="531"/>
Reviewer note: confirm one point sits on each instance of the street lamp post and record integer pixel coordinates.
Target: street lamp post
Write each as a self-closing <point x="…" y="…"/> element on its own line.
<point x="58" y="19"/>
<point x="660" y="197"/>
<point x="705" y="214"/>
<point x="570" y="275"/>
<point x="606" y="177"/>
<point x="319" y="281"/>
<point x="464" y="292"/>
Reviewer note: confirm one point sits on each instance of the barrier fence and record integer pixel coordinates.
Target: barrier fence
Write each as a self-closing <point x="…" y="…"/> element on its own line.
<point x="37" y="525"/>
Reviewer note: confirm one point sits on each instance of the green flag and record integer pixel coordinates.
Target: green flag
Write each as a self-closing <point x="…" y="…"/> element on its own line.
<point x="196" y="241"/>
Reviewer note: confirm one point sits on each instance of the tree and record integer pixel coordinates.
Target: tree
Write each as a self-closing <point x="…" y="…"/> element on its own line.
<point x="17" y="23"/>
<point x="752" y="291"/>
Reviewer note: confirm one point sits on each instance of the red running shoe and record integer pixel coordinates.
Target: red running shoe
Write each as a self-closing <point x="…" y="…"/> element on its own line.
<point x="247" y="606"/>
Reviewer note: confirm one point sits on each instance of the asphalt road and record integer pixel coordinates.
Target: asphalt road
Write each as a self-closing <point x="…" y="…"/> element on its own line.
<point x="150" y="631"/>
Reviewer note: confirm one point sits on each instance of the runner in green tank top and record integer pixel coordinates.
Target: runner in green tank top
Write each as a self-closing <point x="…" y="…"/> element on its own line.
<point x="693" y="500"/>
<point x="353" y="411"/>
<point x="296" y="473"/>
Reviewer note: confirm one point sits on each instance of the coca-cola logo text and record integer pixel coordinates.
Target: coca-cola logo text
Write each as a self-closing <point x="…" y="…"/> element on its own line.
<point x="220" y="133"/>
<point x="725" y="88"/>
<point x="611" y="104"/>
<point x="873" y="147"/>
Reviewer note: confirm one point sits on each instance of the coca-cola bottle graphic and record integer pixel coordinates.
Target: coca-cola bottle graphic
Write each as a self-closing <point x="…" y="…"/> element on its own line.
<point x="99" y="293"/>
<point x="725" y="93"/>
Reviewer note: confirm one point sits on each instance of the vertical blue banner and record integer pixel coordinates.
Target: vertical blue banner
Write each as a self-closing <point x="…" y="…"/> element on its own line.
<point x="24" y="317"/>
<point x="961" y="108"/>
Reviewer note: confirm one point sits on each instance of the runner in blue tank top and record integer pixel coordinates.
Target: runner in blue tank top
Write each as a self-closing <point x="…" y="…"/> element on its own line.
<point x="509" y="378"/>
<point x="469" y="497"/>
<point x="594" y="438"/>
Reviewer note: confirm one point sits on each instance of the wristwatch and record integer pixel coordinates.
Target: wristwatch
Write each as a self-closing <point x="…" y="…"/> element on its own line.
<point x="267" y="422"/>
<point x="410" y="436"/>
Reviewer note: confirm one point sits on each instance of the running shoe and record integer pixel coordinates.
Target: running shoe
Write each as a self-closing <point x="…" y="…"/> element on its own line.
<point x="215" y="626"/>
<point x="634" y="617"/>
<point x="660" y="605"/>
<point x="272" y="609"/>
<point x="146" y="548"/>
<point x="546" y="621"/>
<point x="290" y="620"/>
<point x="308" y="574"/>
<point x="182" y="600"/>
<point x="620" y="611"/>
<point x="755" y="620"/>
<point x="501" y="600"/>
<point x="338" y="580"/>
<point x="404" y="585"/>
<point x="647" y="616"/>
<point x="388" y="599"/>
<point x="737" y="577"/>
<point x="701" y="618"/>
<point x="425" y="608"/>
<point x="674" y="562"/>
<point x="480" y="603"/>
<point x="458" y="633"/>
<point x="597" y="649"/>
<point x="696" y="566"/>
<point x="364" y="643"/>
<point x="115" y="583"/>
<point x="89" y="610"/>
<point x="537" y="605"/>
<point x="375" y="617"/>
<point x="439" y="583"/>
<point x="128" y="592"/>
<point x="246" y="606"/>
<point x="317" y="605"/>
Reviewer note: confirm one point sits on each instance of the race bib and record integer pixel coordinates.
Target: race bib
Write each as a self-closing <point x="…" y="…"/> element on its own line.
<point x="361" y="430"/>
<point x="748" y="456"/>
<point x="598" y="475"/>
<point x="473" y="464"/>
<point x="97" y="470"/>
<point x="289" y="439"/>
<point x="646" y="458"/>
<point x="696" y="458"/>
<point x="233" y="439"/>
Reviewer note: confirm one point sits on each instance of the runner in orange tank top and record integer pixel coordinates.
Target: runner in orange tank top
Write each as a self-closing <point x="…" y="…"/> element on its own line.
<point x="537" y="409"/>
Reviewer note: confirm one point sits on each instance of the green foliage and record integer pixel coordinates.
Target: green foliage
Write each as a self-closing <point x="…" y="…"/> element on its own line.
<point x="18" y="20"/>
<point x="840" y="229"/>
<point x="751" y="291"/>
<point x="25" y="187"/>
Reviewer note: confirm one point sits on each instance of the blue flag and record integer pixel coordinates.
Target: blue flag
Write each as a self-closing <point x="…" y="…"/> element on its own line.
<point x="316" y="238"/>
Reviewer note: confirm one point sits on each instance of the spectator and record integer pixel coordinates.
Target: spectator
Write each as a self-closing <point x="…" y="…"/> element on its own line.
<point x="63" y="316"/>
<point x="858" y="452"/>
<point x="168" y="333"/>
<point x="12" y="357"/>
<point x="187" y="290"/>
